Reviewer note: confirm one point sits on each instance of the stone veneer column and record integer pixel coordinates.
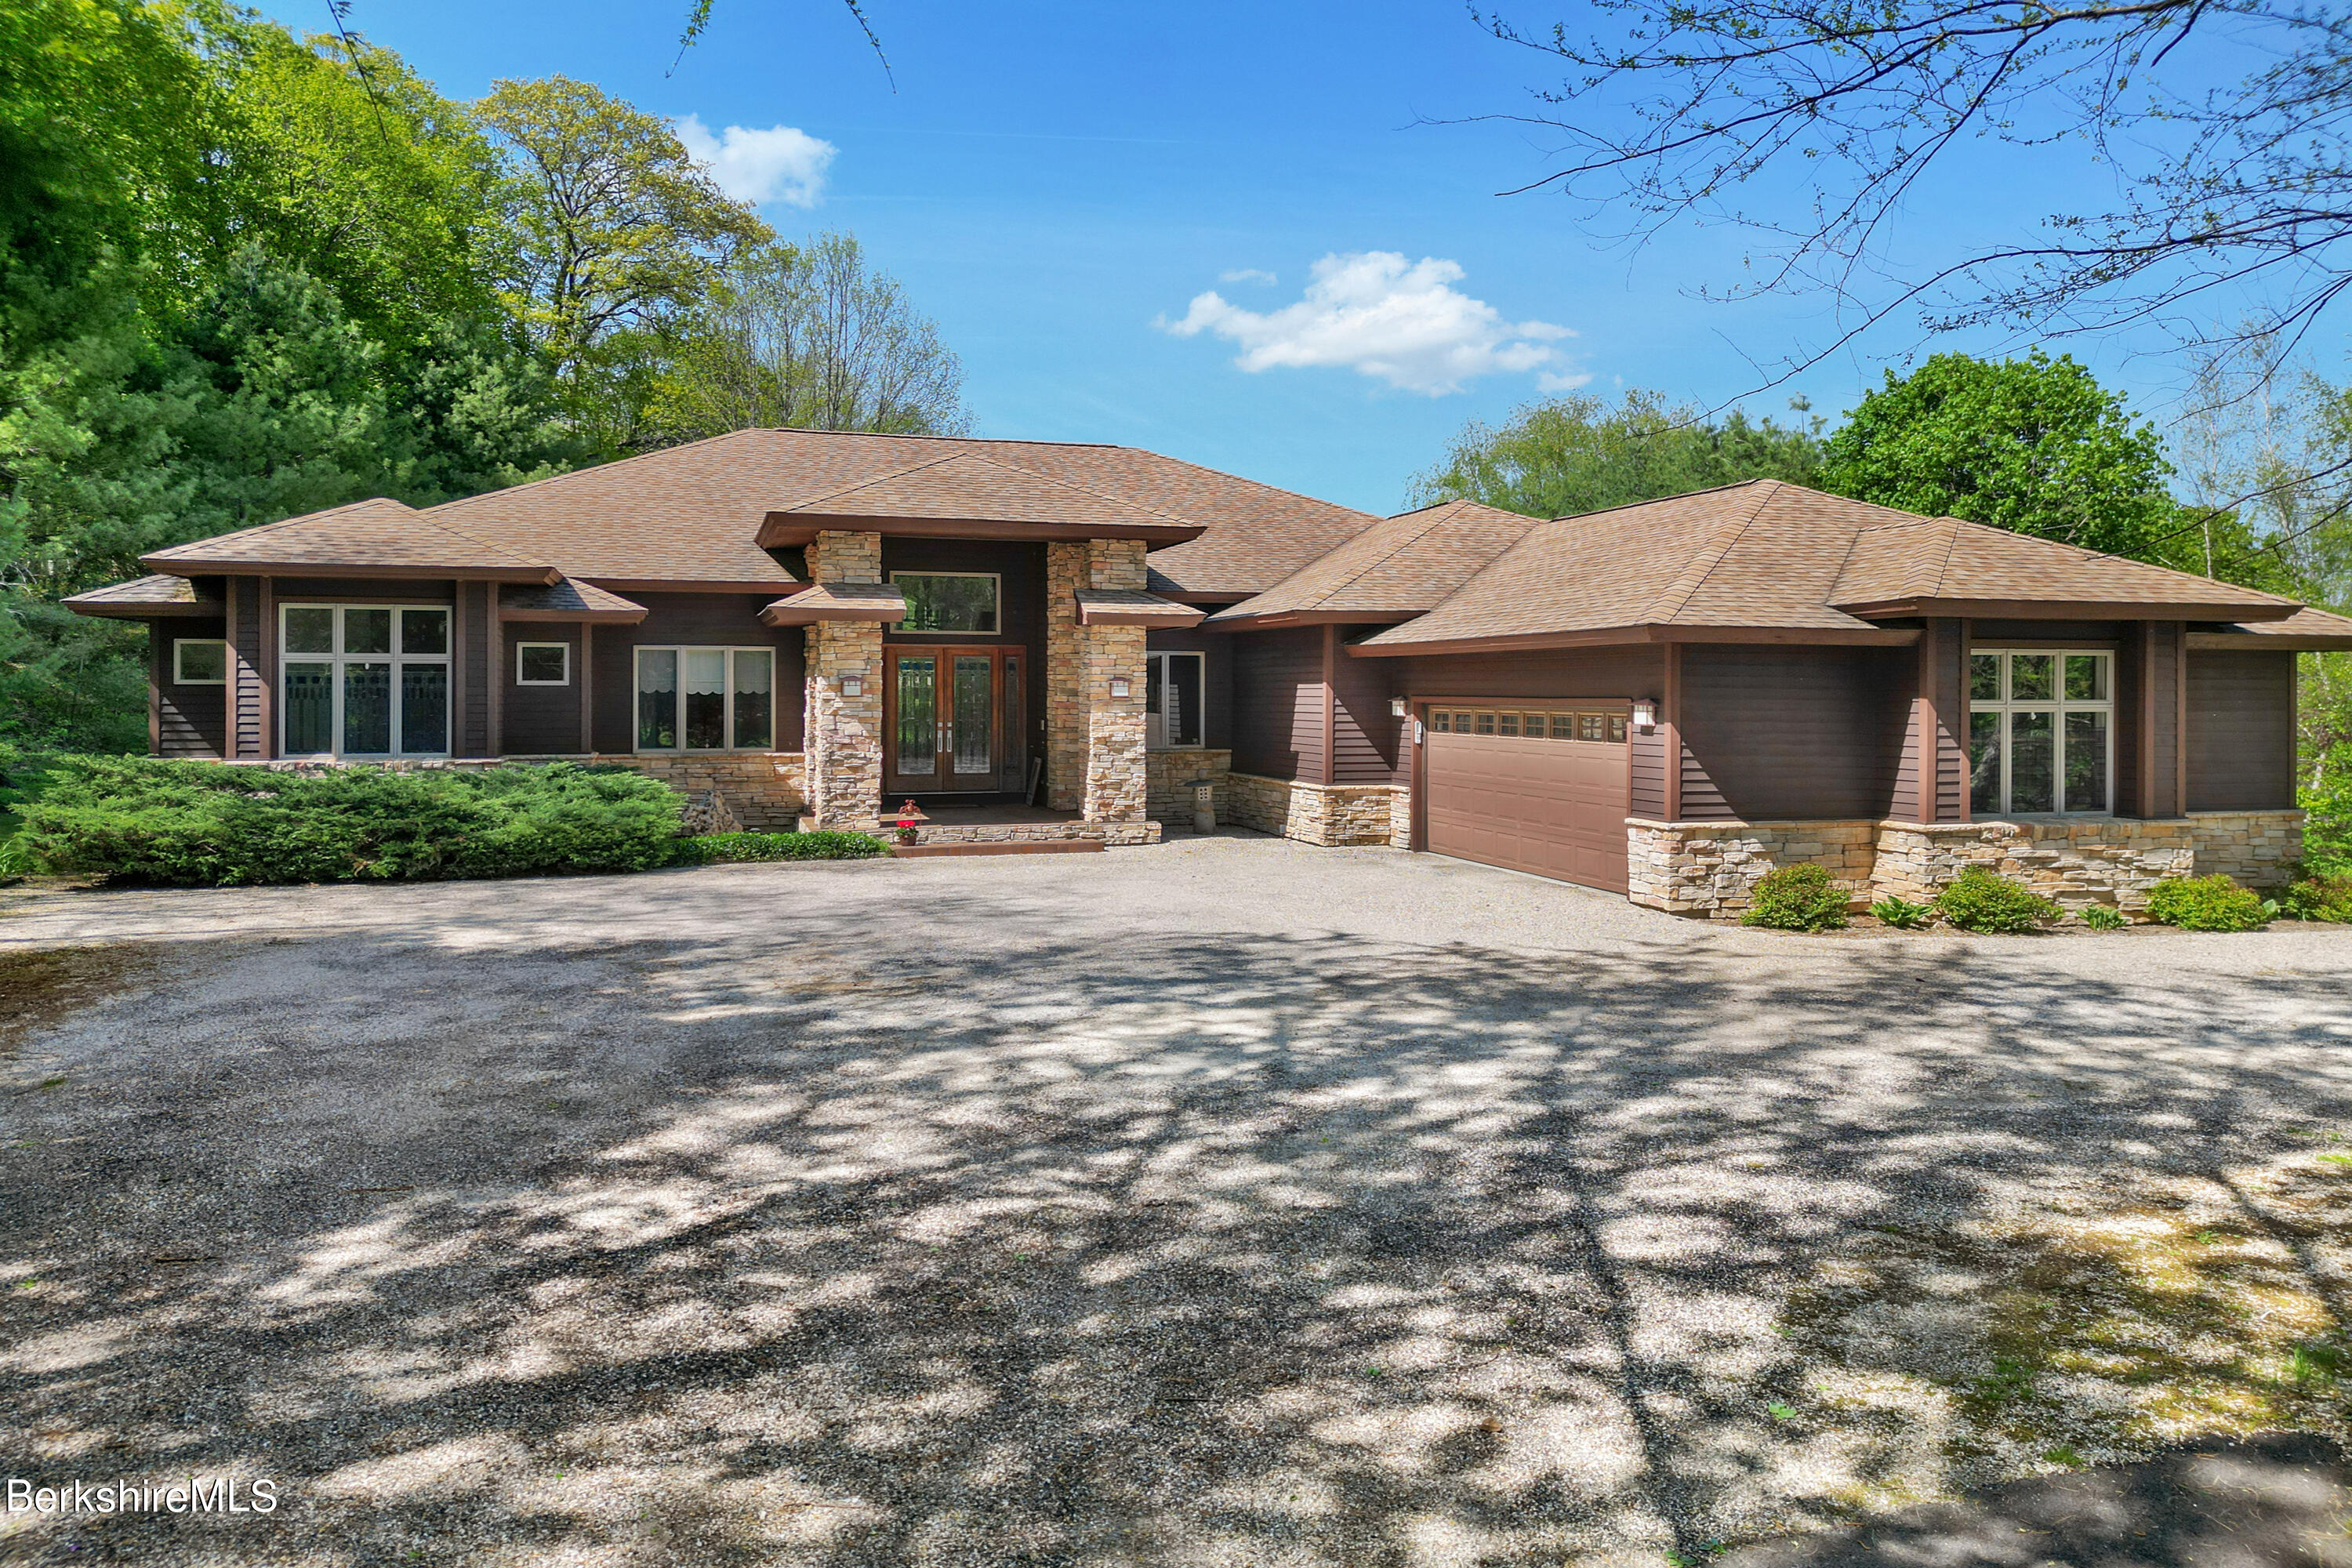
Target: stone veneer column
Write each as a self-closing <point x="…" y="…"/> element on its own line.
<point x="1116" y="780"/>
<point x="844" y="743"/>
<point x="1065" y="706"/>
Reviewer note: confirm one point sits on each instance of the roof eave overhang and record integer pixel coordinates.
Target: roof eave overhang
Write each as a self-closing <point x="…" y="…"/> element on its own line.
<point x="782" y="614"/>
<point x="592" y="618"/>
<point x="694" y="584"/>
<point x="2067" y="610"/>
<point x="1619" y="637"/>
<point x="187" y="565"/>
<point x="1274" y="620"/>
<point x="1176" y="618"/>
<point x="128" y="610"/>
<point x="786" y="529"/>
<point x="2270" y="642"/>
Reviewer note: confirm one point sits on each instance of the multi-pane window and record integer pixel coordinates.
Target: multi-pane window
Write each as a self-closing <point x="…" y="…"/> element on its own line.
<point x="365" y="680"/>
<point x="1602" y="726"/>
<point x="948" y="601"/>
<point x="2041" y="732"/>
<point x="1172" y="700"/>
<point x="706" y="699"/>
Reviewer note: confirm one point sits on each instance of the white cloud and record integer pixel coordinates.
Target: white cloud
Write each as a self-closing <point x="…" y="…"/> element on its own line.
<point x="1378" y="314"/>
<point x="1247" y="275"/>
<point x="778" y="164"/>
<point x="1549" y="381"/>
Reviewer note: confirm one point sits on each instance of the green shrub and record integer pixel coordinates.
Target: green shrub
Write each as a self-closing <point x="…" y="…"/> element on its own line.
<point x="2103" y="917"/>
<point x="1796" y="898"/>
<point x="711" y="849"/>
<point x="2206" y="903"/>
<point x="1901" y="914"/>
<point x="206" y="824"/>
<point x="2319" y="898"/>
<point x="1980" y="900"/>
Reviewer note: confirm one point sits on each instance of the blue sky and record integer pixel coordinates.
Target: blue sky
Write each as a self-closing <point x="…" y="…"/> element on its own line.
<point x="1056" y="183"/>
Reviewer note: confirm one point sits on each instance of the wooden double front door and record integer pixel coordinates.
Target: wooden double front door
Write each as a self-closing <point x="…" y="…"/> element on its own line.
<point x="952" y="720"/>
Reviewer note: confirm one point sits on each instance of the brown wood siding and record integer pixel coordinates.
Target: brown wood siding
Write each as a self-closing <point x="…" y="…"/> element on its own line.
<point x="2148" y="701"/>
<point x="361" y="591"/>
<point x="1278" y="702"/>
<point x="190" y="721"/>
<point x="1781" y="732"/>
<point x="540" y="721"/>
<point x="2240" y="731"/>
<point x="1647" y="763"/>
<point x="1929" y="691"/>
<point x="1216" y="651"/>
<point x="476" y="650"/>
<point x="1951" y="719"/>
<point x="689" y="620"/>
<point x="1364" y="733"/>
<point x="247" y="735"/>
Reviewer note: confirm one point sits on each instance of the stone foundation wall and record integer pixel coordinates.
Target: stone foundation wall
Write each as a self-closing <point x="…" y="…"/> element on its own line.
<point x="764" y="792"/>
<point x="1168" y="783"/>
<point x="1113" y="833"/>
<point x="1328" y="815"/>
<point x="1711" y="868"/>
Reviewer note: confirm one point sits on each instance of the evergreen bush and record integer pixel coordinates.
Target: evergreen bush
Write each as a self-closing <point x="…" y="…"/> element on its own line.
<point x="1981" y="900"/>
<point x="1796" y="898"/>
<point x="187" y="823"/>
<point x="2208" y="903"/>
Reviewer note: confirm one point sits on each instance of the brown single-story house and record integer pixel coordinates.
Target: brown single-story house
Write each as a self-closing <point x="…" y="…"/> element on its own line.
<point x="1049" y="643"/>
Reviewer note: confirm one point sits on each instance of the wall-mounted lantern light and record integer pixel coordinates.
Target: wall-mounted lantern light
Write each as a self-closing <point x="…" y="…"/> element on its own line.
<point x="853" y="686"/>
<point x="1645" y="713"/>
<point x="1396" y="706"/>
<point x="1118" y="685"/>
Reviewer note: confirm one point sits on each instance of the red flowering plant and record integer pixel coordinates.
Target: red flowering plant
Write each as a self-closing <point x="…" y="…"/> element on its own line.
<point x="907" y="817"/>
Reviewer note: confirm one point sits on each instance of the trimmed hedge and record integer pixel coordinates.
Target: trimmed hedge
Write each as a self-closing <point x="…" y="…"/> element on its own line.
<point x="2208" y="903"/>
<point x="187" y="823"/>
<point x="713" y="849"/>
<point x="1796" y="898"/>
<point x="1981" y="900"/>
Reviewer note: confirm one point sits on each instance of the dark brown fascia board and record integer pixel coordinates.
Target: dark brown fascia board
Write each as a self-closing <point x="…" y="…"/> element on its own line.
<point x="808" y="614"/>
<point x="2066" y="610"/>
<point x="1278" y="619"/>
<point x="797" y="528"/>
<point x="779" y="586"/>
<point x="1212" y="601"/>
<point x="1619" y="637"/>
<point x="184" y="566"/>
<point x="594" y="617"/>
<point x="127" y="610"/>
<point x="1185" y="617"/>
<point x="2276" y="642"/>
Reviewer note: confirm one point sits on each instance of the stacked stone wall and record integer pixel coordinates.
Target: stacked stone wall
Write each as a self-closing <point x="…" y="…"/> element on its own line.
<point x="1712" y="867"/>
<point x="1326" y="815"/>
<point x="1095" y="762"/>
<point x="1169" y="777"/>
<point x="845" y="731"/>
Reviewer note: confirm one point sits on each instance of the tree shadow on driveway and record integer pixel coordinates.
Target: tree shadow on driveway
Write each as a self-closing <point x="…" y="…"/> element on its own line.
<point x="945" y="1239"/>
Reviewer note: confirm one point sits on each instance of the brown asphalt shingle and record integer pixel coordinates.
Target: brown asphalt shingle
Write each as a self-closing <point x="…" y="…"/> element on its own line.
<point x="975" y="486"/>
<point x="567" y="600"/>
<point x="1945" y="558"/>
<point x="159" y="595"/>
<point x="378" y="532"/>
<point x="1399" y="566"/>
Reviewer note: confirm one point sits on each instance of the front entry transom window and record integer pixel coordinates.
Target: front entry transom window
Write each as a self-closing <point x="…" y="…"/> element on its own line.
<point x="363" y="680"/>
<point x="706" y="699"/>
<point x="2041" y="732"/>
<point x="948" y="601"/>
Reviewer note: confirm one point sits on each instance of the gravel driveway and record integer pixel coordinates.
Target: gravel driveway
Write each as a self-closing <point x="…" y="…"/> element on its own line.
<point x="1231" y="1202"/>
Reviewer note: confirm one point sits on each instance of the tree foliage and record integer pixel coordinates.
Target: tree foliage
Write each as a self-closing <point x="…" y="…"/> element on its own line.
<point x="1575" y="454"/>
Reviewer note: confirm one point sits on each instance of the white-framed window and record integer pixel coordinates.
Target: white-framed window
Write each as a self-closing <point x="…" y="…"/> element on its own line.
<point x="950" y="601"/>
<point x="363" y="680"/>
<point x="706" y="699"/>
<point x="1172" y="684"/>
<point x="2042" y="733"/>
<point x="543" y="664"/>
<point x="199" y="662"/>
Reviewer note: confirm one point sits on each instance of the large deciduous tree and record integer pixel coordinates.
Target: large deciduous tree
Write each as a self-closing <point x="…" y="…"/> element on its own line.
<point x="808" y="336"/>
<point x="2035" y="445"/>
<point x="1575" y="454"/>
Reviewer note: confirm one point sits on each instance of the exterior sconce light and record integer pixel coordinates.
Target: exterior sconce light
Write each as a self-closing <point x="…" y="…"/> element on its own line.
<point x="1645" y="713"/>
<point x="1396" y="706"/>
<point x="853" y="686"/>
<point x="1118" y="685"/>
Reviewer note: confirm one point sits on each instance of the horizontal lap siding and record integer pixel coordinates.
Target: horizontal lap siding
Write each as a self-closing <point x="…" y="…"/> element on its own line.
<point x="190" y="721"/>
<point x="1364" y="733"/>
<point x="1278" y="698"/>
<point x="247" y="668"/>
<point x="1781" y="732"/>
<point x="540" y="721"/>
<point x="2240" y="731"/>
<point x="476" y="654"/>
<point x="689" y="620"/>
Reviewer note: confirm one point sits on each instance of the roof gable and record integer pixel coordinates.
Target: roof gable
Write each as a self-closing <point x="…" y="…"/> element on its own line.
<point x="1397" y="567"/>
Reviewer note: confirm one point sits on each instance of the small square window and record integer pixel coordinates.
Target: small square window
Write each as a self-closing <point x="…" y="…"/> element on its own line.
<point x="1486" y="724"/>
<point x="543" y="664"/>
<point x="1507" y="723"/>
<point x="1461" y="722"/>
<point x="1593" y="726"/>
<point x="1440" y="721"/>
<point x="1617" y="728"/>
<point x="199" y="662"/>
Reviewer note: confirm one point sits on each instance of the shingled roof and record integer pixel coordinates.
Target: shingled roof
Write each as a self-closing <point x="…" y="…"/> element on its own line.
<point x="142" y="597"/>
<point x="1398" y="568"/>
<point x="693" y="515"/>
<point x="958" y="489"/>
<point x="1769" y="558"/>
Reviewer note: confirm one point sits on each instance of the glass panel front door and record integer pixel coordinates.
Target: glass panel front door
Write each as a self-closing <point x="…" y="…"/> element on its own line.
<point x="975" y="704"/>
<point x="918" y="734"/>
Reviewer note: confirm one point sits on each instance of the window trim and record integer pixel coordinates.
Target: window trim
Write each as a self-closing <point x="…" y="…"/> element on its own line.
<point x="636" y="693"/>
<point x="398" y="658"/>
<point x="565" y="680"/>
<point x="996" y="584"/>
<point x="2057" y="705"/>
<point x="179" y="674"/>
<point x="1148" y="655"/>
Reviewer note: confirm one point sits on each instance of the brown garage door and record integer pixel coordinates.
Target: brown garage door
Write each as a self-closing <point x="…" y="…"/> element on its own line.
<point x="1535" y="790"/>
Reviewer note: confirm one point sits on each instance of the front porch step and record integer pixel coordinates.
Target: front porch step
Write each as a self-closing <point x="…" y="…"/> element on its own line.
<point x="1002" y="847"/>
